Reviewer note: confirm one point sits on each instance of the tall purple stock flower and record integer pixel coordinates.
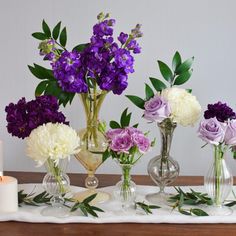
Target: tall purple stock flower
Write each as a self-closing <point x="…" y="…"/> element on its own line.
<point x="24" y="116"/>
<point x="220" y="110"/>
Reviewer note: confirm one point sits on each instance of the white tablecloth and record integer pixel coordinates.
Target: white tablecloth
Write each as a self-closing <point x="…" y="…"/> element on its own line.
<point x="113" y="211"/>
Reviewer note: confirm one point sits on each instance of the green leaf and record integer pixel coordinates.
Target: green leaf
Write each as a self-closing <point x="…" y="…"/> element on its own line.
<point x="148" y="91"/>
<point x="56" y="30"/>
<point x="105" y="155"/>
<point x="189" y="90"/>
<point x="114" y="124"/>
<point x="125" y="118"/>
<point x="97" y="209"/>
<point x="136" y="125"/>
<point x="198" y="212"/>
<point x="184" y="212"/>
<point x="185" y="66"/>
<point x="176" y="61"/>
<point x="41" y="72"/>
<point x="46" y="29"/>
<point x="89" y="198"/>
<point x="230" y="204"/>
<point x="154" y="207"/>
<point x="53" y="89"/>
<point x="39" y="35"/>
<point x="234" y="154"/>
<point x="139" y="102"/>
<point x="157" y="84"/>
<point x="80" y="47"/>
<point x="184" y="77"/>
<point x="41" y="87"/>
<point x="63" y="37"/>
<point x="165" y="71"/>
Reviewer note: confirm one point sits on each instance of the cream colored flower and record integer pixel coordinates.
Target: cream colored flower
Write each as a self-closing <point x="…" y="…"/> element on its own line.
<point x="55" y="141"/>
<point x="185" y="109"/>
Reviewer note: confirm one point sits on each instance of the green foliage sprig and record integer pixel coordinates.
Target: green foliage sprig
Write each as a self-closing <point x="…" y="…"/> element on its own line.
<point x="178" y="75"/>
<point x="44" y="198"/>
<point x="145" y="207"/>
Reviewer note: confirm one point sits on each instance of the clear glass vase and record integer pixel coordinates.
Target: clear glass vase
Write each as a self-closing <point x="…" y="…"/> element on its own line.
<point x="92" y="144"/>
<point x="218" y="183"/>
<point x="57" y="183"/>
<point x="163" y="169"/>
<point x="125" y="189"/>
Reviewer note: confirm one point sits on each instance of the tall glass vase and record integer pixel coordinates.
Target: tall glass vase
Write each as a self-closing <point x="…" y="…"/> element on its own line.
<point x="218" y="183"/>
<point x="163" y="169"/>
<point x="92" y="144"/>
<point x="56" y="182"/>
<point x="125" y="189"/>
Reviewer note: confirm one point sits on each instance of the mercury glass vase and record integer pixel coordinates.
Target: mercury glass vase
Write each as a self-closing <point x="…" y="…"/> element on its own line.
<point x="163" y="169"/>
<point x="56" y="182"/>
<point x="125" y="189"/>
<point x="218" y="183"/>
<point x="92" y="144"/>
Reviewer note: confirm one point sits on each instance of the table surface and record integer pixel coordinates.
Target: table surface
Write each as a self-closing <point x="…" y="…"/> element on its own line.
<point x="30" y="229"/>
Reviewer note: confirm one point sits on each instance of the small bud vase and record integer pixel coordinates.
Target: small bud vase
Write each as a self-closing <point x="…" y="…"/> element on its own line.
<point x="56" y="182"/>
<point x="125" y="189"/>
<point x="163" y="169"/>
<point x="218" y="183"/>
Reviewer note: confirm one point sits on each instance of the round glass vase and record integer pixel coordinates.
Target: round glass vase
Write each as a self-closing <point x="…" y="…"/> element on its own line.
<point x="125" y="189"/>
<point x="92" y="144"/>
<point x="218" y="183"/>
<point x="163" y="169"/>
<point x="57" y="183"/>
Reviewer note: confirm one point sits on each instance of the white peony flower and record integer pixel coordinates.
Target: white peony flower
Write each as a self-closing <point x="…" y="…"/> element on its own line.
<point x="55" y="141"/>
<point x="185" y="109"/>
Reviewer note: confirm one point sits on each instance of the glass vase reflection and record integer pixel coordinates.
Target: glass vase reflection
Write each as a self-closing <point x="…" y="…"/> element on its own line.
<point x="163" y="169"/>
<point x="218" y="183"/>
<point x="57" y="183"/>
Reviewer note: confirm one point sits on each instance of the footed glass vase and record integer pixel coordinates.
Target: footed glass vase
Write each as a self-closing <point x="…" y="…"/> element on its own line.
<point x="125" y="189"/>
<point x="92" y="144"/>
<point x="163" y="169"/>
<point x="56" y="182"/>
<point x="218" y="183"/>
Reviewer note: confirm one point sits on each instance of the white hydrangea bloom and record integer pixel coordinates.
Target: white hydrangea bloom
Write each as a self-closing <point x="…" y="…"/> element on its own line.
<point x="55" y="141"/>
<point x="185" y="109"/>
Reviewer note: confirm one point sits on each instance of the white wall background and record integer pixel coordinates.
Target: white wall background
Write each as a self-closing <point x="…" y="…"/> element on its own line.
<point x="203" y="28"/>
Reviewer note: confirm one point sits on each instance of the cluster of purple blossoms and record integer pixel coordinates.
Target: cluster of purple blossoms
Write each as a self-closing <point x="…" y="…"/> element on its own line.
<point x="103" y="61"/>
<point x="24" y="116"/>
<point x="123" y="140"/>
<point x="221" y="111"/>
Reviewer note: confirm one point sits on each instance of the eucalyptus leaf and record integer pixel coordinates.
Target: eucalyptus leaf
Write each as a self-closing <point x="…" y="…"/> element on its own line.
<point x="184" y="77"/>
<point x="46" y="29"/>
<point x="139" y="102"/>
<point x="63" y="37"/>
<point x="165" y="71"/>
<point x="157" y="84"/>
<point x="39" y="36"/>
<point x="56" y="31"/>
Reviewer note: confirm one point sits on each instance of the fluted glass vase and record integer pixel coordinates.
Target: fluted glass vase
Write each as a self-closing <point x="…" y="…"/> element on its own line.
<point x="125" y="189"/>
<point x="163" y="169"/>
<point x="56" y="182"/>
<point x="218" y="183"/>
<point x="92" y="144"/>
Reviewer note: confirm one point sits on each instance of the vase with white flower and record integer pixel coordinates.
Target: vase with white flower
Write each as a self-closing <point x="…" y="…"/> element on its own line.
<point x="90" y="70"/>
<point x="126" y="145"/>
<point x="168" y="106"/>
<point x="50" y="142"/>
<point x="218" y="128"/>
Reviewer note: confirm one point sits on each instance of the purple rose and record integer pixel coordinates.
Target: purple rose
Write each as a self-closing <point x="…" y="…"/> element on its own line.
<point x="156" y="109"/>
<point x="212" y="131"/>
<point x="112" y="133"/>
<point x="142" y="142"/>
<point x="121" y="143"/>
<point x="230" y="133"/>
<point x="133" y="130"/>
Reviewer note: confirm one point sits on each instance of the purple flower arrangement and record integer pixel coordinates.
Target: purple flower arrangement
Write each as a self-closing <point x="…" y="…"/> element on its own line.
<point x="126" y="143"/>
<point x="219" y="125"/>
<point x="23" y="116"/>
<point x="103" y="62"/>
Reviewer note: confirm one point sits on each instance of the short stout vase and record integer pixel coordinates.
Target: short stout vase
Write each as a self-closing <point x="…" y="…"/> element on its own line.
<point x="92" y="144"/>
<point x="125" y="189"/>
<point x="57" y="183"/>
<point x="218" y="183"/>
<point x="163" y="169"/>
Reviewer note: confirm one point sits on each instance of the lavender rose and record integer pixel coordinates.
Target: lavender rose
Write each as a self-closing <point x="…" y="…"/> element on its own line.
<point x="212" y="131"/>
<point x="230" y="133"/>
<point x="142" y="142"/>
<point x="110" y="134"/>
<point x="121" y="143"/>
<point x="156" y="109"/>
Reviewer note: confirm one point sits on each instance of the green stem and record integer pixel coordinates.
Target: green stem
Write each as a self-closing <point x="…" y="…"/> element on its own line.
<point x="125" y="188"/>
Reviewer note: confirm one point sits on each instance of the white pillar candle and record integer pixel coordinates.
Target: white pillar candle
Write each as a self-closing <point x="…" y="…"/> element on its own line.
<point x="1" y="159"/>
<point x="8" y="194"/>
